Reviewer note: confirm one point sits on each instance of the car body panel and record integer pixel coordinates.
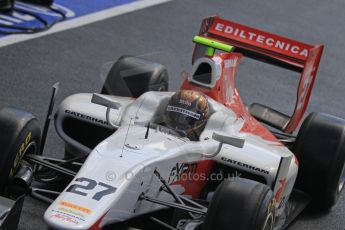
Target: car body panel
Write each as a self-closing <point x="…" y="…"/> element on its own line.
<point x="271" y="48"/>
<point x="128" y="152"/>
<point x="129" y="160"/>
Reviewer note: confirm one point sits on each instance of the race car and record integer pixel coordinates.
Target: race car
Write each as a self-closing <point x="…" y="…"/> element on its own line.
<point x="139" y="156"/>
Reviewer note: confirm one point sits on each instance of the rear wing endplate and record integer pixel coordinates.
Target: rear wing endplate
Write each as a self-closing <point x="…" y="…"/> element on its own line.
<point x="271" y="48"/>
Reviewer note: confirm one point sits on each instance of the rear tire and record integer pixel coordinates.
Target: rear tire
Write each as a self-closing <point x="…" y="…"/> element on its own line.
<point x="320" y="149"/>
<point x="130" y="77"/>
<point x="133" y="76"/>
<point x="241" y="204"/>
<point x="20" y="135"/>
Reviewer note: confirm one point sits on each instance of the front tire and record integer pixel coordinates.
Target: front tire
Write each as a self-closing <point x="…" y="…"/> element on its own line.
<point x="320" y="149"/>
<point x="241" y="204"/>
<point x="19" y="135"/>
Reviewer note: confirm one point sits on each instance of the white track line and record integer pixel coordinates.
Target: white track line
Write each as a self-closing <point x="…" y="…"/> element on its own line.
<point x="84" y="20"/>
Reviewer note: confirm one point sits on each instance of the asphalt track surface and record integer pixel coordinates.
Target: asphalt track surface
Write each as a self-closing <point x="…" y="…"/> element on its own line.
<point x="164" y="32"/>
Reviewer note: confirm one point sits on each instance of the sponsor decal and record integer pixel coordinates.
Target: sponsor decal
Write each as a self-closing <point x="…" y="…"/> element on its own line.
<point x="186" y="112"/>
<point x="243" y="165"/>
<point x="180" y="169"/>
<point x="70" y="211"/>
<point x="279" y="193"/>
<point x="66" y="217"/>
<point x="20" y="153"/>
<point x="263" y="38"/>
<point x="229" y="63"/>
<point x="86" y="117"/>
<point x="185" y="102"/>
<point x="272" y="206"/>
<point x="305" y="86"/>
<point x="76" y="207"/>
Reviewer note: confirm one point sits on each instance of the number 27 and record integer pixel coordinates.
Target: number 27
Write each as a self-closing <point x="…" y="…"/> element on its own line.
<point x="91" y="184"/>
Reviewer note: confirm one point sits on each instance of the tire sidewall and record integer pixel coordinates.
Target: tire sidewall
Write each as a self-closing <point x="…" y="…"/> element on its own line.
<point x="248" y="215"/>
<point x="332" y="188"/>
<point x="320" y="171"/>
<point x="27" y="141"/>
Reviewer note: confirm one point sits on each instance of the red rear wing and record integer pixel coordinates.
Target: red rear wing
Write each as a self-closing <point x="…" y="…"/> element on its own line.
<point x="271" y="48"/>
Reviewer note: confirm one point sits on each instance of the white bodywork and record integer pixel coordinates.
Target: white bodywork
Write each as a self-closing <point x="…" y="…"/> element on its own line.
<point x="126" y="161"/>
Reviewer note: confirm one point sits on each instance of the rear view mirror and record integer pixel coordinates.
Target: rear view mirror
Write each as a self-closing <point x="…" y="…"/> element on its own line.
<point x="222" y="139"/>
<point x="233" y="141"/>
<point x="100" y="99"/>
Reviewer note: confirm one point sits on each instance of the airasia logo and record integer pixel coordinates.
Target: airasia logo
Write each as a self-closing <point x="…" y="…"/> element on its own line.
<point x="259" y="38"/>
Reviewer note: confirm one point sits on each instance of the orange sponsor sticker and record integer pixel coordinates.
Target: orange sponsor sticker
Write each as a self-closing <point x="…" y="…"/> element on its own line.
<point x="76" y="207"/>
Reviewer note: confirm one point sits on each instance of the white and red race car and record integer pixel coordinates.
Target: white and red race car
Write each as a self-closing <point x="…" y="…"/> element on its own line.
<point x="123" y="168"/>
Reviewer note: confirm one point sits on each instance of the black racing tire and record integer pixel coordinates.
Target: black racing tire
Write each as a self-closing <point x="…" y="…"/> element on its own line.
<point x="20" y="134"/>
<point x="133" y="76"/>
<point x="241" y="204"/>
<point x="320" y="149"/>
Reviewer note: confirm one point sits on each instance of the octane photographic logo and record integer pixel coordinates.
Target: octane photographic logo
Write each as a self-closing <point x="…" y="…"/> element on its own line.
<point x="183" y="172"/>
<point x="110" y="176"/>
<point x="189" y="172"/>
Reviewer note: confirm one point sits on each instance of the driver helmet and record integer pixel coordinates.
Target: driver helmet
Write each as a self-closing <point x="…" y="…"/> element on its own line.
<point x="187" y="113"/>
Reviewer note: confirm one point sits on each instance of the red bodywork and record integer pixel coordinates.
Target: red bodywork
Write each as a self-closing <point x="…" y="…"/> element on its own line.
<point x="225" y="92"/>
<point x="288" y="53"/>
<point x="285" y="52"/>
<point x="302" y="57"/>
